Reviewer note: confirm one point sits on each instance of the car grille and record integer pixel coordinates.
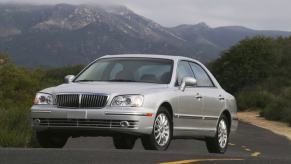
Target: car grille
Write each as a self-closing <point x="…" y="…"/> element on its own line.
<point x="81" y="100"/>
<point x="93" y="123"/>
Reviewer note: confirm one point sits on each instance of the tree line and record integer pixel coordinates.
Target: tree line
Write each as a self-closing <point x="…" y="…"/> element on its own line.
<point x="258" y="72"/>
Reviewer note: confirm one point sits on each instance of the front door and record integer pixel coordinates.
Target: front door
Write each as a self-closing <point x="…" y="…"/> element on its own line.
<point x="189" y="113"/>
<point x="212" y="97"/>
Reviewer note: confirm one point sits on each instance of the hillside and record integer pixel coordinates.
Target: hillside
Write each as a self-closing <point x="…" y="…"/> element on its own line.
<point x="63" y="34"/>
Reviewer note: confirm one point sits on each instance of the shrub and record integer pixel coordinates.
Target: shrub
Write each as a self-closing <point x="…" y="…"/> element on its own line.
<point x="275" y="109"/>
<point x="254" y="99"/>
<point x="287" y="110"/>
<point x="287" y="115"/>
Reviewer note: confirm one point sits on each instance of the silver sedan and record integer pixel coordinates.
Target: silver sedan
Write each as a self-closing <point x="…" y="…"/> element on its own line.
<point x="153" y="97"/>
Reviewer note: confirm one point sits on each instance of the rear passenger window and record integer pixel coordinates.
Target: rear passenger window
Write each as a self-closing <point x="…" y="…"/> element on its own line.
<point x="202" y="77"/>
<point x="184" y="70"/>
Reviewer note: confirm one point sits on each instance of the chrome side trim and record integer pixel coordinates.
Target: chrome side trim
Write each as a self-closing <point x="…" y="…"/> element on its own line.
<point x="187" y="116"/>
<point x="127" y="114"/>
<point x="192" y="129"/>
<point x="210" y="118"/>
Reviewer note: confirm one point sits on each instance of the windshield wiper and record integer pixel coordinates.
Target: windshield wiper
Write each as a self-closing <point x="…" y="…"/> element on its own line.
<point x="122" y="80"/>
<point x="114" y="80"/>
<point x="84" y="80"/>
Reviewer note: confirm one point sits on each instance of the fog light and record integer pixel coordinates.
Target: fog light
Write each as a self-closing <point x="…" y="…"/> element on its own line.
<point x="36" y="121"/>
<point x="124" y="124"/>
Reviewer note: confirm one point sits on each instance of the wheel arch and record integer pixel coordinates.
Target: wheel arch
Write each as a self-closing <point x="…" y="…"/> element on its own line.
<point x="168" y="106"/>
<point x="228" y="116"/>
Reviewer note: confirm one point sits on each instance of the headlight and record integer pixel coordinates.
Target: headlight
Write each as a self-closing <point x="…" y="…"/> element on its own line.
<point x="127" y="100"/>
<point x="43" y="99"/>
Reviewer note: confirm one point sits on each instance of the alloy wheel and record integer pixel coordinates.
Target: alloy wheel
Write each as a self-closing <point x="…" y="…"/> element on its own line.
<point x="162" y="129"/>
<point x="222" y="134"/>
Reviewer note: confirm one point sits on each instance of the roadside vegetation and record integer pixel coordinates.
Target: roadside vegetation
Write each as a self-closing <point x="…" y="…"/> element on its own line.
<point x="17" y="90"/>
<point x="256" y="70"/>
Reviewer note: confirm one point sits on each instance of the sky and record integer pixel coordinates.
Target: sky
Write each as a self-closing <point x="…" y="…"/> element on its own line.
<point x="256" y="14"/>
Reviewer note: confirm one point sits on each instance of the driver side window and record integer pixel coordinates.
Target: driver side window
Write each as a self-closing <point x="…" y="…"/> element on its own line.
<point x="202" y="77"/>
<point x="183" y="70"/>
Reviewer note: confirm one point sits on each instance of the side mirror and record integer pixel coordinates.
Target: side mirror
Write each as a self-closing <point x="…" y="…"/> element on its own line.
<point x="69" y="78"/>
<point x="187" y="81"/>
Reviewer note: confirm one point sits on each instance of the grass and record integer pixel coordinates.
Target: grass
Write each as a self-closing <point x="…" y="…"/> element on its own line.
<point x="15" y="128"/>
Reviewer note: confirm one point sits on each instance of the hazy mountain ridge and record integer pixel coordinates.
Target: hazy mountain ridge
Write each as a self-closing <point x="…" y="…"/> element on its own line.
<point x="68" y="34"/>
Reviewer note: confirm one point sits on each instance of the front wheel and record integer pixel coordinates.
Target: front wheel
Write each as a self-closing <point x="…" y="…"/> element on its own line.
<point x="161" y="135"/>
<point x="51" y="140"/>
<point x="218" y="144"/>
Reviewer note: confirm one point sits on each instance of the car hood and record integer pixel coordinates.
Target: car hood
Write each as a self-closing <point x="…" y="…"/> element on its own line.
<point x="106" y="88"/>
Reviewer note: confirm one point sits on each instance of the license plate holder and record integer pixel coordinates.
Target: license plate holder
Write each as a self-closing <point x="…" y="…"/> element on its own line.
<point x="77" y="114"/>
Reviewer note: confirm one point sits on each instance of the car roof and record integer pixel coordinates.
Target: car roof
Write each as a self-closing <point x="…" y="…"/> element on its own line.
<point x="149" y="56"/>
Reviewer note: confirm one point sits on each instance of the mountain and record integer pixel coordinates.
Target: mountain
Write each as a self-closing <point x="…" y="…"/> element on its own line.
<point x="57" y="35"/>
<point x="222" y="37"/>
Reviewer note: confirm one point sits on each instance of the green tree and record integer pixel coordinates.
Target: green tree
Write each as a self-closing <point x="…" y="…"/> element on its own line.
<point x="246" y="64"/>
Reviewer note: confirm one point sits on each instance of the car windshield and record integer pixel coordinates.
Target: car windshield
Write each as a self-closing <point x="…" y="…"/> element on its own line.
<point x="146" y="70"/>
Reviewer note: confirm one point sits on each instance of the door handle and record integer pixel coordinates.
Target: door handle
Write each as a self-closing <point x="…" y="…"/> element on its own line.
<point x="220" y="98"/>
<point x="198" y="96"/>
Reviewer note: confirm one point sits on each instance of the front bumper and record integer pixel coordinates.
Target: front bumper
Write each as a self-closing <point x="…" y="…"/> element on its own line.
<point x="108" y="119"/>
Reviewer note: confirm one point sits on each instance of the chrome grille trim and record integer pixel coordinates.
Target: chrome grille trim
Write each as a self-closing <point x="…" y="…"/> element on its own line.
<point x="85" y="100"/>
<point x="92" y="123"/>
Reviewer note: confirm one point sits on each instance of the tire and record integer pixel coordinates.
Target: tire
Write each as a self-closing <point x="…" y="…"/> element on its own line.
<point x="222" y="131"/>
<point x="51" y="140"/>
<point x="150" y="142"/>
<point x="123" y="141"/>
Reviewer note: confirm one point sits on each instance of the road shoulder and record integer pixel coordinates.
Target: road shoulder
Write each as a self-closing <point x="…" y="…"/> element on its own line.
<point x="274" y="126"/>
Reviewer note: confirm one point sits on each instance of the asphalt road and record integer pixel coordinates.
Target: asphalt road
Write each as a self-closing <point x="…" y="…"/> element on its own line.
<point x="249" y="145"/>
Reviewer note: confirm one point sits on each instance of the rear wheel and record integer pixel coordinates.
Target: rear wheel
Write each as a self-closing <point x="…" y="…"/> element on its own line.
<point x="161" y="135"/>
<point x="218" y="144"/>
<point x="124" y="141"/>
<point x="48" y="139"/>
